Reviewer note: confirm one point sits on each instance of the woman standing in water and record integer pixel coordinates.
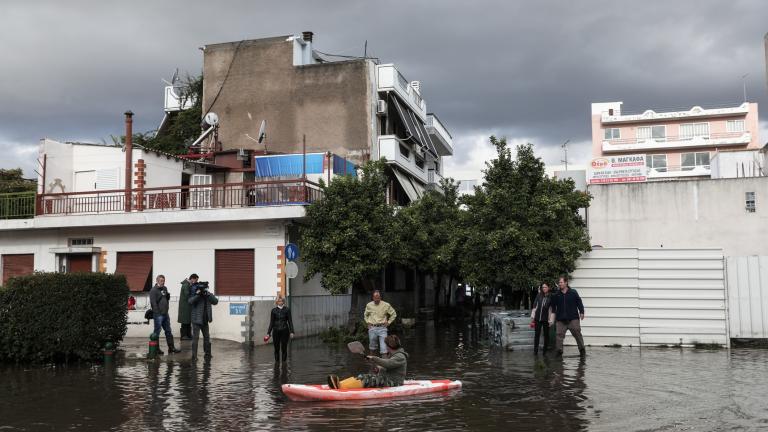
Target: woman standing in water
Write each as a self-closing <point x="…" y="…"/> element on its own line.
<point x="280" y="329"/>
<point x="540" y="317"/>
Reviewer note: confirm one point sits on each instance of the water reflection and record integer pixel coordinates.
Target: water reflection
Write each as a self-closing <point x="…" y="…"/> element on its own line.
<point x="612" y="389"/>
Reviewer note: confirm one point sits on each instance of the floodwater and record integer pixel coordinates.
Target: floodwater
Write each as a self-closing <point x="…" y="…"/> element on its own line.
<point x="611" y="389"/>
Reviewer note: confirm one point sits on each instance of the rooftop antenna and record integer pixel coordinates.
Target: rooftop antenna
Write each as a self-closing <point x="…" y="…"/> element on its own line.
<point x="565" y="150"/>
<point x="263" y="134"/>
<point x="365" y="49"/>
<point x="744" y="84"/>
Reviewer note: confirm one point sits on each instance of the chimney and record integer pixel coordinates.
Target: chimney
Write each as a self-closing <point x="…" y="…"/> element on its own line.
<point x="307" y="36"/>
<point x="128" y="158"/>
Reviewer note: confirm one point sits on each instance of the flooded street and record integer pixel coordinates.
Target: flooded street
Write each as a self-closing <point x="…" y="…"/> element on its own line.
<point x="612" y="389"/>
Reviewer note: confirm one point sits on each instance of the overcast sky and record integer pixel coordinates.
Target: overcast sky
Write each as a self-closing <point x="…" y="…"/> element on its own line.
<point x="524" y="70"/>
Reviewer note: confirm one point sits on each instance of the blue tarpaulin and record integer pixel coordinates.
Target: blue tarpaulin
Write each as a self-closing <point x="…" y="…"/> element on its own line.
<point x="339" y="166"/>
<point x="288" y="165"/>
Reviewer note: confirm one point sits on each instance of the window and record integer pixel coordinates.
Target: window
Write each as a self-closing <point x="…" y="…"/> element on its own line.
<point x="750" y="201"/>
<point x="690" y="161"/>
<point x="17" y="265"/>
<point x="657" y="162"/>
<point x="420" y="163"/>
<point x="235" y="272"/>
<point x="404" y="151"/>
<point x="691" y="130"/>
<point x="734" y="126"/>
<point x="75" y="242"/>
<point x="656" y="133"/>
<point x="613" y="133"/>
<point x="137" y="269"/>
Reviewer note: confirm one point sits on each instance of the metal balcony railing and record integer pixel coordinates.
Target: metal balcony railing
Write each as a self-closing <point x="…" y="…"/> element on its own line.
<point x="172" y="198"/>
<point x="17" y="205"/>
<point x="671" y="138"/>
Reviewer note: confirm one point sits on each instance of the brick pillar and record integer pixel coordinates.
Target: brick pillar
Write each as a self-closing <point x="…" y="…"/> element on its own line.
<point x="139" y="181"/>
<point x="281" y="282"/>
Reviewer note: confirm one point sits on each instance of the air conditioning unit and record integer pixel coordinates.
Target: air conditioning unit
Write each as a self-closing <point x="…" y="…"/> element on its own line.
<point x="381" y="107"/>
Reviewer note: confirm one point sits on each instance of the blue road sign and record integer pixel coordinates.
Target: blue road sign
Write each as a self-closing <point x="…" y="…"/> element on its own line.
<point x="291" y="252"/>
<point x="237" y="308"/>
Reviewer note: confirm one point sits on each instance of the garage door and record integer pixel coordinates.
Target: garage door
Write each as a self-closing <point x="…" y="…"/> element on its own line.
<point x="17" y="265"/>
<point x="234" y="272"/>
<point x="137" y="268"/>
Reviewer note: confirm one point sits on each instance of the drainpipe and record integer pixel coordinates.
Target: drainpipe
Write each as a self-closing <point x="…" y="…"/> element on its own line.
<point x="128" y="159"/>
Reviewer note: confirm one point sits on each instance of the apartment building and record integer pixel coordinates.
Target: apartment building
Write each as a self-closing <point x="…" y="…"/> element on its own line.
<point x="655" y="145"/>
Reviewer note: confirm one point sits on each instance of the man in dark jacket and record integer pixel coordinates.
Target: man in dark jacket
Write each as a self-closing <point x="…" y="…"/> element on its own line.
<point x="200" y="300"/>
<point x="184" y="317"/>
<point x="158" y="300"/>
<point x="568" y="311"/>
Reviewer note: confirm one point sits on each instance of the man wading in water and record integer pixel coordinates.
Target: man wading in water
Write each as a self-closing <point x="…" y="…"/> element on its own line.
<point x="569" y="311"/>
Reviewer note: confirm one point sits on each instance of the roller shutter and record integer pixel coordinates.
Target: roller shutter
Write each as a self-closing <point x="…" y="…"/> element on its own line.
<point x="17" y="265"/>
<point x="137" y="268"/>
<point x="234" y="272"/>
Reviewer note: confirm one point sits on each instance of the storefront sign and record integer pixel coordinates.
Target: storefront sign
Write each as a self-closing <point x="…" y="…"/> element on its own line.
<point x="617" y="169"/>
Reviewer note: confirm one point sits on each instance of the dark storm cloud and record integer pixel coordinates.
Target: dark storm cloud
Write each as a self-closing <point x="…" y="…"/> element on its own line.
<point x="528" y="70"/>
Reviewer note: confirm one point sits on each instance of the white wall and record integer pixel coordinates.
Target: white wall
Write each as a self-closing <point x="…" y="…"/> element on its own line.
<point x="732" y="164"/>
<point x="161" y="170"/>
<point x="681" y="214"/>
<point x="748" y="296"/>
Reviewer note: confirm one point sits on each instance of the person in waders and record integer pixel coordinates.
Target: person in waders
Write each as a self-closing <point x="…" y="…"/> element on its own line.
<point x="391" y="371"/>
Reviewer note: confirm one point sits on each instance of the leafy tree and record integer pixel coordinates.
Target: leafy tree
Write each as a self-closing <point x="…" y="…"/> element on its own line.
<point x="431" y="234"/>
<point x="522" y="226"/>
<point x="350" y="233"/>
<point x="12" y="180"/>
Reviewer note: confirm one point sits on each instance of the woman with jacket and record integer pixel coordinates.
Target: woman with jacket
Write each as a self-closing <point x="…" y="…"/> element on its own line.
<point x="280" y="329"/>
<point x="391" y="371"/>
<point x="540" y="317"/>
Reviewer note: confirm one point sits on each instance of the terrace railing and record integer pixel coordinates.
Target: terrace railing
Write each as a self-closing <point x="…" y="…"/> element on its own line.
<point x="17" y="205"/>
<point x="172" y="198"/>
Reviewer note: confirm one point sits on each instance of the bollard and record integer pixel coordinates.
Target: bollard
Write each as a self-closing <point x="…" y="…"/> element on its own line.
<point x="109" y="352"/>
<point x="153" y="346"/>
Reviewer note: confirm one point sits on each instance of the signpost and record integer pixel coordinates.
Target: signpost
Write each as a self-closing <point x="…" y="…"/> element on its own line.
<point x="291" y="252"/>
<point x="291" y="269"/>
<point x="617" y="169"/>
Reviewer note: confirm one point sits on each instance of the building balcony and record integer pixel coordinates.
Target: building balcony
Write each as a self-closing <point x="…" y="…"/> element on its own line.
<point x="695" y="112"/>
<point x="441" y="138"/>
<point x="674" y="171"/>
<point x="18" y="205"/>
<point x="677" y="142"/>
<point x="402" y="156"/>
<point x="388" y="78"/>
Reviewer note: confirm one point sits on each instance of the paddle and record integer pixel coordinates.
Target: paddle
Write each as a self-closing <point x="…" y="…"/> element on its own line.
<point x="356" y="347"/>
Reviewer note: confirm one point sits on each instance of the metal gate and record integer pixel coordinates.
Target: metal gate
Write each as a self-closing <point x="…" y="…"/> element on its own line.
<point x="748" y="296"/>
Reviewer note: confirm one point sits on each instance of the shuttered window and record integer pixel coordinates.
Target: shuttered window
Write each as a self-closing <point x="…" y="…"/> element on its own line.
<point x="137" y="268"/>
<point x="17" y="265"/>
<point x="79" y="263"/>
<point x="234" y="272"/>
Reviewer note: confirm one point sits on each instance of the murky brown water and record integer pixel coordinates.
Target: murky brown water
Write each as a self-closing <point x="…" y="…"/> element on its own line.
<point x="611" y="390"/>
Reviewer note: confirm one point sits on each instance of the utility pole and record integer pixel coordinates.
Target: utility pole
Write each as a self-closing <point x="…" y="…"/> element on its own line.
<point x="565" y="150"/>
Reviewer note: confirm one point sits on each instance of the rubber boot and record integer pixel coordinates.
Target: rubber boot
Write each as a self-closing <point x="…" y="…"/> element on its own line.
<point x="333" y="382"/>
<point x="171" y="347"/>
<point x="350" y="383"/>
<point x="207" y="349"/>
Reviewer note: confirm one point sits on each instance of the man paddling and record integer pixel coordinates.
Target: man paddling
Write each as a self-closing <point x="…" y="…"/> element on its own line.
<point x="390" y="371"/>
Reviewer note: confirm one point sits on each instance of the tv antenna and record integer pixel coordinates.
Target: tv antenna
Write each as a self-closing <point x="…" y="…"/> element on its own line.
<point x="565" y="150"/>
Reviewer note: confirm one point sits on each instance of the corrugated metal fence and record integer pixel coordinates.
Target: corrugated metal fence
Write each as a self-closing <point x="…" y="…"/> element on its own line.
<point x="748" y="296"/>
<point x="639" y="296"/>
<point x="313" y="314"/>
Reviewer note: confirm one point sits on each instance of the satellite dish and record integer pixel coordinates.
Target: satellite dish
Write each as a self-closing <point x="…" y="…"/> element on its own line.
<point x="262" y="131"/>
<point x="212" y="119"/>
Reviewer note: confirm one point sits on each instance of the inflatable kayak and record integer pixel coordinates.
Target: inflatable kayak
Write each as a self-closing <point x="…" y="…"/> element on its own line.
<point x="318" y="392"/>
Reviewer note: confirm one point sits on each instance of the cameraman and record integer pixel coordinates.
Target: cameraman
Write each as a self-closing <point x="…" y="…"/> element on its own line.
<point x="200" y="300"/>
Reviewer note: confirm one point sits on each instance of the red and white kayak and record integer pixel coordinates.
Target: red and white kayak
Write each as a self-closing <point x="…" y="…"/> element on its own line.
<point x="318" y="392"/>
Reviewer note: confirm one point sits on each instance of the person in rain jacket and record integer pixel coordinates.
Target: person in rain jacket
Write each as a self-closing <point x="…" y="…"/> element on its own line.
<point x="391" y="371"/>
<point x="184" y="317"/>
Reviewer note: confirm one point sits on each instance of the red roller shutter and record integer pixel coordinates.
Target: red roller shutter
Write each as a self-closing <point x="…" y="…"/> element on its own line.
<point x="234" y="272"/>
<point x="80" y="263"/>
<point x="137" y="268"/>
<point x="17" y="265"/>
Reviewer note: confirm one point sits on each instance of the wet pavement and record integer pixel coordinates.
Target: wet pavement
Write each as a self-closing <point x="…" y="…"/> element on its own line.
<point x="626" y="389"/>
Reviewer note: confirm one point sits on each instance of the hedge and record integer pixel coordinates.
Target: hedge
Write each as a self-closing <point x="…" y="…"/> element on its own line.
<point x="58" y="317"/>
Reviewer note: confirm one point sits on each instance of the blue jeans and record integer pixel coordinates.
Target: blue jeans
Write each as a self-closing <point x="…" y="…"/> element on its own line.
<point x="163" y="321"/>
<point x="376" y="336"/>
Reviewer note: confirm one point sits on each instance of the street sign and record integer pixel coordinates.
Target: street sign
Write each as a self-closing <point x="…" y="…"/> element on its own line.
<point x="237" y="308"/>
<point x="291" y="269"/>
<point x="291" y="252"/>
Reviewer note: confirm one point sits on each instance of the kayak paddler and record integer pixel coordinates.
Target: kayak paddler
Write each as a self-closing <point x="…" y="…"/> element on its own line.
<point x="391" y="371"/>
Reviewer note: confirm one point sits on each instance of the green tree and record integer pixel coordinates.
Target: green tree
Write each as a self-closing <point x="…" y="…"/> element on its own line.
<point x="349" y="235"/>
<point x="522" y="226"/>
<point x="12" y="180"/>
<point x="431" y="234"/>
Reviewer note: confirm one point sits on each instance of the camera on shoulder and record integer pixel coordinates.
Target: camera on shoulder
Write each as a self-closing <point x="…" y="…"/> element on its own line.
<point x="201" y="287"/>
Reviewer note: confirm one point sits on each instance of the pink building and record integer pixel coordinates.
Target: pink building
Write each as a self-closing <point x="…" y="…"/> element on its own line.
<point x="676" y="143"/>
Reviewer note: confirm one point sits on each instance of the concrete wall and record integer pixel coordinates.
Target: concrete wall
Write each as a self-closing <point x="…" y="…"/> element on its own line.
<point x="748" y="296"/>
<point x="250" y="81"/>
<point x="681" y="214"/>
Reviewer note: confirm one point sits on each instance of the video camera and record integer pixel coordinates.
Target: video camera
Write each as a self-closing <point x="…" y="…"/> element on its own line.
<point x="201" y="288"/>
